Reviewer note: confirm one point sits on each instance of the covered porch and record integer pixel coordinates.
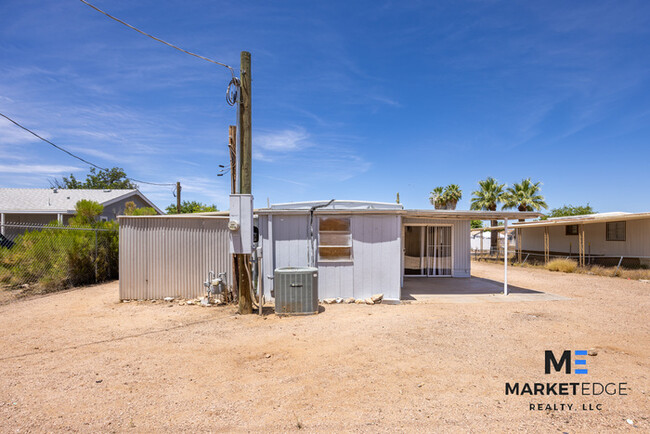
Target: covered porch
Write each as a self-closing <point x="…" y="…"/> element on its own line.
<point x="436" y="253"/>
<point x="467" y="290"/>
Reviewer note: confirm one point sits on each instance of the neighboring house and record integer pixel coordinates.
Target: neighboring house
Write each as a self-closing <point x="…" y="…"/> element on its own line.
<point x="359" y="248"/>
<point x="39" y="206"/>
<point x="607" y="237"/>
<point x="480" y="240"/>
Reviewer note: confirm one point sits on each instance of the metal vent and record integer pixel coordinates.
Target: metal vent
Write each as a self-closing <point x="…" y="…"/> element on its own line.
<point x="296" y="290"/>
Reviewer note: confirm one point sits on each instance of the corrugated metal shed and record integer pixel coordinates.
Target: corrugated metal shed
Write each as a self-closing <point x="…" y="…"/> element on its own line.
<point x="171" y="256"/>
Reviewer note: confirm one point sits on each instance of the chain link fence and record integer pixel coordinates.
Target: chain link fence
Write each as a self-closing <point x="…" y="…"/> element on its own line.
<point x="537" y="258"/>
<point x="53" y="257"/>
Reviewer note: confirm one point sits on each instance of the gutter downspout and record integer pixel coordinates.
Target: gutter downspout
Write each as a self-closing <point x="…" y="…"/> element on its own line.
<point x="312" y="251"/>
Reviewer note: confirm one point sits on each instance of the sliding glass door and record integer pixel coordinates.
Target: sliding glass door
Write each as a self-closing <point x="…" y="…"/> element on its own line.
<point x="428" y="251"/>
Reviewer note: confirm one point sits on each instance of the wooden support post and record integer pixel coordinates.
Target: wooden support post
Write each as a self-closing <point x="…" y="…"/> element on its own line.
<point x="245" y="146"/>
<point x="518" y="232"/>
<point x="581" y="246"/>
<point x="547" y="245"/>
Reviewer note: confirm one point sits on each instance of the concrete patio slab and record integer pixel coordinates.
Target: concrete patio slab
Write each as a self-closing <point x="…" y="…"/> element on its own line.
<point x="467" y="290"/>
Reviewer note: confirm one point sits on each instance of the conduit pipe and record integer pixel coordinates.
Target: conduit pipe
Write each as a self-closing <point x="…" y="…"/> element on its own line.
<point x="312" y="250"/>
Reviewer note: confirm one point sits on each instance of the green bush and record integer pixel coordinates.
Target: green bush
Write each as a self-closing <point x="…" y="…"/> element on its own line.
<point x="55" y="257"/>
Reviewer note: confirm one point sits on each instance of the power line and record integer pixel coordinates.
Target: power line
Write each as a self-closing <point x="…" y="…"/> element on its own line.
<point x="76" y="156"/>
<point x="232" y="71"/>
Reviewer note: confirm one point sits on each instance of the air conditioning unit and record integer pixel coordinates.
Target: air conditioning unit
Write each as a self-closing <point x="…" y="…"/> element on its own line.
<point x="296" y="290"/>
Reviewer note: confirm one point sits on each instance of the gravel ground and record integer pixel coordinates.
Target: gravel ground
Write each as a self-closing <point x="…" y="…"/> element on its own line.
<point x="82" y="361"/>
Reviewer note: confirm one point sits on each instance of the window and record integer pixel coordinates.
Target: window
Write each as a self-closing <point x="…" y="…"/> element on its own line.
<point x="334" y="239"/>
<point x="571" y="230"/>
<point x="103" y="218"/>
<point x="615" y="231"/>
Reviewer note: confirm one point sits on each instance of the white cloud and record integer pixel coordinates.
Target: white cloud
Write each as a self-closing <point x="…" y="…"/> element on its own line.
<point x="38" y="169"/>
<point x="282" y="141"/>
<point x="10" y="134"/>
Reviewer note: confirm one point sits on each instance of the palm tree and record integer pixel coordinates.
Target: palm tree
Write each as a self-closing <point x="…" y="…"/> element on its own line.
<point x="436" y="198"/>
<point x="525" y="196"/>
<point x="490" y="194"/>
<point x="452" y="195"/>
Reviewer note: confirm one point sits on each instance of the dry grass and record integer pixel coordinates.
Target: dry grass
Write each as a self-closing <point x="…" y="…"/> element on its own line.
<point x="598" y="270"/>
<point x="563" y="265"/>
<point x="632" y="274"/>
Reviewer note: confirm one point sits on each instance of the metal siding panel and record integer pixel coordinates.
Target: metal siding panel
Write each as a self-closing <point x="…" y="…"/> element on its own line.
<point x="162" y="257"/>
<point x="376" y="243"/>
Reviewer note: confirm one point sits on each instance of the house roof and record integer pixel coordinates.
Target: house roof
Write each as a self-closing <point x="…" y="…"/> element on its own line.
<point x="48" y="200"/>
<point x="575" y="220"/>
<point x="586" y="219"/>
<point x="337" y="205"/>
<point x="363" y="207"/>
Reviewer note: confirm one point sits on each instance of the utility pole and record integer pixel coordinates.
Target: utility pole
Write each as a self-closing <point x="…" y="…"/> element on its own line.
<point x="245" y="137"/>
<point x="178" y="197"/>
<point x="232" y="148"/>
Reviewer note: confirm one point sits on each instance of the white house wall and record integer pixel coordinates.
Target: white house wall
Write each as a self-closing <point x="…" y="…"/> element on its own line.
<point x="376" y="247"/>
<point x="461" y="233"/>
<point x="637" y="239"/>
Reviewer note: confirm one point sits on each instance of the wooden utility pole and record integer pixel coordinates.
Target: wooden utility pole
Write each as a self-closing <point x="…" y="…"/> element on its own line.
<point x="245" y="137"/>
<point x="232" y="147"/>
<point x="178" y="197"/>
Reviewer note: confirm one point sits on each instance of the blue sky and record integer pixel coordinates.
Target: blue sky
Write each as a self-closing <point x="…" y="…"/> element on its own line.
<point x="351" y="100"/>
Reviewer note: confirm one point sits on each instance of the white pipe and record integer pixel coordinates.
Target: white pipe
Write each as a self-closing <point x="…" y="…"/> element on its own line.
<point x="505" y="257"/>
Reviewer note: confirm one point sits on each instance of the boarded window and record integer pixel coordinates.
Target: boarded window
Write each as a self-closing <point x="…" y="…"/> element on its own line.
<point x="615" y="231"/>
<point x="571" y="230"/>
<point x="334" y="239"/>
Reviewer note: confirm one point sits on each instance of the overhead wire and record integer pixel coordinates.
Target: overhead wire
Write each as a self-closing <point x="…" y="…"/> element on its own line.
<point x="232" y="71"/>
<point x="78" y="157"/>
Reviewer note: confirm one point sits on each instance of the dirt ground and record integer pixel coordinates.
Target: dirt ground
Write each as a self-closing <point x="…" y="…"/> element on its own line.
<point x="82" y="361"/>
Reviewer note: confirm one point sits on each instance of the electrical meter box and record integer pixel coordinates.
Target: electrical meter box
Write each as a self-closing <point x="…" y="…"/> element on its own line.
<point x="241" y="224"/>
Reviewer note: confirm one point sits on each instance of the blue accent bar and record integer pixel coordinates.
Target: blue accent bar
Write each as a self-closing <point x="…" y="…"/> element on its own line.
<point x="581" y="352"/>
<point x="581" y="362"/>
<point x="580" y="371"/>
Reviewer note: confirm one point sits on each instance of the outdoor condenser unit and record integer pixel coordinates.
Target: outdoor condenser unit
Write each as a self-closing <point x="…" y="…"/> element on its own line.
<point x="296" y="290"/>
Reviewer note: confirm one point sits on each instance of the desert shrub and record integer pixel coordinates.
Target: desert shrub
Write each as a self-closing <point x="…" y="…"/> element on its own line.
<point x="130" y="208"/>
<point x="56" y="258"/>
<point x="87" y="212"/>
<point x="563" y="265"/>
<point x="635" y="274"/>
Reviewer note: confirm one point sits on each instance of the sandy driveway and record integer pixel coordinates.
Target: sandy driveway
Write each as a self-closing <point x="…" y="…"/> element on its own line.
<point x="81" y="361"/>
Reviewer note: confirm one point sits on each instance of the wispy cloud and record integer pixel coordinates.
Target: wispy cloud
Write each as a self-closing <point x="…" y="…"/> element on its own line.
<point x="270" y="144"/>
<point x="38" y="169"/>
<point x="10" y="134"/>
<point x="286" y="140"/>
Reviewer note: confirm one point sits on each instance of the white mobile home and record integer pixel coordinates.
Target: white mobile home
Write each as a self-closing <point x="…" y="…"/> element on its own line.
<point x="605" y="237"/>
<point x="364" y="248"/>
<point x="359" y="248"/>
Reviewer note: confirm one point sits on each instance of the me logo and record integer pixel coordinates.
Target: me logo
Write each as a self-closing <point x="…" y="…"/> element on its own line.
<point x="565" y="362"/>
